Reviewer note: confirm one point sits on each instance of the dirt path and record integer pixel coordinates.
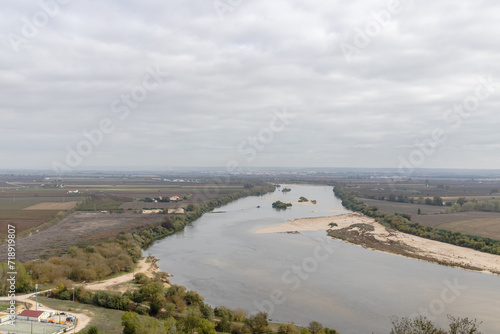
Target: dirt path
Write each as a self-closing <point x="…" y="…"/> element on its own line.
<point x="142" y="267"/>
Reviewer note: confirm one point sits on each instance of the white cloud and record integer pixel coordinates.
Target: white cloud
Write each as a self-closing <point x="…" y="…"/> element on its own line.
<point x="227" y="76"/>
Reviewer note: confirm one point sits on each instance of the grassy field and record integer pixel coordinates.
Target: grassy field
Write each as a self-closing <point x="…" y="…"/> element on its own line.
<point x="3" y="306"/>
<point x="104" y="319"/>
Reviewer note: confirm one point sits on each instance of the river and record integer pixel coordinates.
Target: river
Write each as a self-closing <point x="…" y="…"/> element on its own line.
<point x="309" y="276"/>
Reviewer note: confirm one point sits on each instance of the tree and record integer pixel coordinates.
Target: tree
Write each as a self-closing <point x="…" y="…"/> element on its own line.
<point x="206" y="327"/>
<point x="315" y="327"/>
<point x="225" y="323"/>
<point x="207" y="311"/>
<point x="193" y="298"/>
<point x="169" y="310"/>
<point x="438" y="201"/>
<point x="419" y="211"/>
<point x="129" y="321"/>
<point x="330" y="331"/>
<point x="92" y="330"/>
<point x="420" y="325"/>
<point x="287" y="329"/>
<point x="257" y="323"/>
<point x="193" y="320"/>
<point x="157" y="303"/>
<point x="22" y="278"/>
<point x="463" y="326"/>
<point x="461" y="201"/>
<point x="148" y="291"/>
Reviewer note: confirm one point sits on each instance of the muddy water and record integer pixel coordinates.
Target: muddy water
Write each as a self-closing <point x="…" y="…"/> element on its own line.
<point x="308" y="276"/>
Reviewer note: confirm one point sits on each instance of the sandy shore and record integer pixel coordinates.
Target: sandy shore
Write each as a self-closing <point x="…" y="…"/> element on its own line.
<point x="298" y="225"/>
<point x="376" y="236"/>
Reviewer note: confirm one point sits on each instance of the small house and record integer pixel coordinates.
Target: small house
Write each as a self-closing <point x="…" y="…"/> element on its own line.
<point x="148" y="212"/>
<point x="31" y="315"/>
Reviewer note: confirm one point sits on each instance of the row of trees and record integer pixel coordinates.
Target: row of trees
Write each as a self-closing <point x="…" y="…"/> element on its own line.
<point x="424" y="326"/>
<point x="436" y="200"/>
<point x="461" y="205"/>
<point x="403" y="224"/>
<point x="464" y="205"/>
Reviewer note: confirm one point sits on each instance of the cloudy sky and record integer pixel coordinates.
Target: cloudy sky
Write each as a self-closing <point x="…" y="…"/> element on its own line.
<point x="299" y="83"/>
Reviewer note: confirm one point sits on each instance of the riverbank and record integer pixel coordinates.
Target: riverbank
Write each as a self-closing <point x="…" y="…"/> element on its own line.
<point x="361" y="230"/>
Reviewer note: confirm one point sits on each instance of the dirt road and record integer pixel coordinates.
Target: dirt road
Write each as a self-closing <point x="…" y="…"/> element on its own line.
<point x="142" y="267"/>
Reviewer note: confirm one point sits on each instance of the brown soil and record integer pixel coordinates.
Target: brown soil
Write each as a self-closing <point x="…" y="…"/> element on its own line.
<point x="52" y="206"/>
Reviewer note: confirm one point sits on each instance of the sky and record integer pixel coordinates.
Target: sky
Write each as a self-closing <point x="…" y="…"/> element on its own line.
<point x="249" y="83"/>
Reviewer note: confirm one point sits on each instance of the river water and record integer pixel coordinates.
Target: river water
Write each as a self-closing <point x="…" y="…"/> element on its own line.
<point x="308" y="276"/>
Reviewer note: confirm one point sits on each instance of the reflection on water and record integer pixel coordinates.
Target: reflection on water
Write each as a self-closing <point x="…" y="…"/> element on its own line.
<point x="294" y="277"/>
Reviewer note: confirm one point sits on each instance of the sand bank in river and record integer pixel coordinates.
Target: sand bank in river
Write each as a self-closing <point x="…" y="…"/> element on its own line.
<point x="376" y="236"/>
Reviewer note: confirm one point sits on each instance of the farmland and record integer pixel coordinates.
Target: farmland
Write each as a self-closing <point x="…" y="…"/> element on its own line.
<point x="52" y="206"/>
<point x="23" y="219"/>
<point x="425" y="187"/>
<point x="408" y="208"/>
<point x="484" y="224"/>
<point x="375" y="192"/>
<point x="56" y="213"/>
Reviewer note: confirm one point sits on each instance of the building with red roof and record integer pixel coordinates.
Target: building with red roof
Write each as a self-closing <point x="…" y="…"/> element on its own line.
<point x="31" y="315"/>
